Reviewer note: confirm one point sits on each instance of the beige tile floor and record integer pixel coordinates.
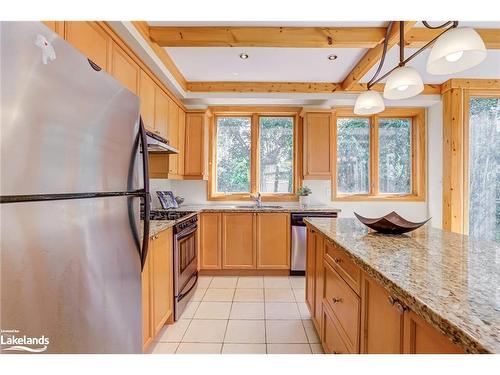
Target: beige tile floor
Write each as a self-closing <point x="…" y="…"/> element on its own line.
<point x="243" y="315"/>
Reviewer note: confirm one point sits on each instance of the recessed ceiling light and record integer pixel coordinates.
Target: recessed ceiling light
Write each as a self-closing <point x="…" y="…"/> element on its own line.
<point x="244" y="56"/>
<point x="332" y="57"/>
<point x="235" y="74"/>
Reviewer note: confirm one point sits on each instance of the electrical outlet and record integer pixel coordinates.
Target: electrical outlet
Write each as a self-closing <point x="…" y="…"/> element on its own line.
<point x="328" y="192"/>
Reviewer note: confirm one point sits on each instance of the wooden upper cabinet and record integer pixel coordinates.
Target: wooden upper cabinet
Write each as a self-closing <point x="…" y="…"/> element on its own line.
<point x="124" y="69"/>
<point x="161" y="113"/>
<point x="273" y="240"/>
<point x="147" y="89"/>
<point x="238" y="240"/>
<point x="147" y="289"/>
<point x="195" y="150"/>
<point x="173" y="137"/>
<point x="56" y="26"/>
<point x="181" y="118"/>
<point x="377" y="307"/>
<point x="90" y="39"/>
<point x="162" y="279"/>
<point x="317" y="145"/>
<point x="422" y="338"/>
<point x="210" y="240"/>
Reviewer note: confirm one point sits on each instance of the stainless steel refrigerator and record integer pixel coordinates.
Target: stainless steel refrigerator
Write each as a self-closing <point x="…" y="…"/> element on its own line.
<point x="72" y="178"/>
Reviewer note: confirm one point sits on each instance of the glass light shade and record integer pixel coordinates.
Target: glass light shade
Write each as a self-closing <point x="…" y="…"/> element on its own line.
<point x="369" y="103"/>
<point x="404" y="82"/>
<point x="455" y="51"/>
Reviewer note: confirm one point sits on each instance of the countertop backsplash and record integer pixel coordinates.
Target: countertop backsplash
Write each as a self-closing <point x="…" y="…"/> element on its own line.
<point x="195" y="193"/>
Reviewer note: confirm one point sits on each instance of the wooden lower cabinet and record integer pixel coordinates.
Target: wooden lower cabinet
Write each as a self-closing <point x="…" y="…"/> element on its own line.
<point x="238" y="244"/>
<point x="421" y="338"/>
<point x="273" y="240"/>
<point x="210" y="240"/>
<point x="311" y="272"/>
<point x="157" y="286"/>
<point x="359" y="315"/>
<point x="382" y="321"/>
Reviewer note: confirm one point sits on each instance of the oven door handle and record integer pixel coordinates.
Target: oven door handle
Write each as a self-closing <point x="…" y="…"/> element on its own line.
<point x="186" y="232"/>
<point x="182" y="295"/>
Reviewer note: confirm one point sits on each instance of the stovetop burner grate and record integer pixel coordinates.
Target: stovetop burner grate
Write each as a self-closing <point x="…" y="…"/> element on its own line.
<point x="168" y="215"/>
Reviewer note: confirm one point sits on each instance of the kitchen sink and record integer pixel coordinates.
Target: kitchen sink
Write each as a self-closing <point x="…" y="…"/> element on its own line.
<point x="253" y="207"/>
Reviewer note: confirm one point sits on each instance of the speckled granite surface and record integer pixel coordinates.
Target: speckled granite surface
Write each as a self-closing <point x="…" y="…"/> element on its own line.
<point x="156" y="226"/>
<point x="449" y="279"/>
<point x="234" y="208"/>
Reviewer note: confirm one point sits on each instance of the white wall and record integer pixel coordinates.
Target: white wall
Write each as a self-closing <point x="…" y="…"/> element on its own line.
<point x="195" y="192"/>
<point x="435" y="163"/>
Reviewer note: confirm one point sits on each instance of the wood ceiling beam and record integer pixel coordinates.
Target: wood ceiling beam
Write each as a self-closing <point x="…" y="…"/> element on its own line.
<point x="294" y="37"/>
<point x="373" y="56"/>
<point x="417" y="37"/>
<point x="289" y="87"/>
<point x="143" y="28"/>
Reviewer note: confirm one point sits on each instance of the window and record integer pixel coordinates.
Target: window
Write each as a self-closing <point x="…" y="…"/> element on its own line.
<point x="353" y="155"/>
<point x="233" y="154"/>
<point x="394" y="157"/>
<point x="380" y="157"/>
<point x="276" y="154"/>
<point x="484" y="167"/>
<point x="253" y="153"/>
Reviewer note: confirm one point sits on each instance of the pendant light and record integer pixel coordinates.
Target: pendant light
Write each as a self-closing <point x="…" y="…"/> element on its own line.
<point x="369" y="103"/>
<point x="455" y="51"/>
<point x="404" y="82"/>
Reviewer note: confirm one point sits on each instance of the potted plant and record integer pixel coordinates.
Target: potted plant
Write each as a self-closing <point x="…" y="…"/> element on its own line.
<point x="303" y="192"/>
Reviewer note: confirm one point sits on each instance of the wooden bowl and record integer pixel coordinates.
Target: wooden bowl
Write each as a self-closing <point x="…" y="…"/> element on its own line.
<point x="391" y="223"/>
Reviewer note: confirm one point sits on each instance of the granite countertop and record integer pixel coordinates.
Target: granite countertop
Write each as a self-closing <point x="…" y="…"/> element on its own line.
<point x="449" y="279"/>
<point x="250" y="208"/>
<point x="156" y="226"/>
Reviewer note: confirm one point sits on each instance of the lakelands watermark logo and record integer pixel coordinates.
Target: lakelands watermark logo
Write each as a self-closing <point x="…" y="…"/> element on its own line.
<point x="12" y="340"/>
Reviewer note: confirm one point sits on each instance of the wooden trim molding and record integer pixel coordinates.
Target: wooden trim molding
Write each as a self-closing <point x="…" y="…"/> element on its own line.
<point x="290" y="87"/>
<point x="418" y="155"/>
<point x="143" y="28"/>
<point x="290" y="37"/>
<point x="417" y="37"/>
<point x="470" y="84"/>
<point x="456" y="148"/>
<point x="373" y="56"/>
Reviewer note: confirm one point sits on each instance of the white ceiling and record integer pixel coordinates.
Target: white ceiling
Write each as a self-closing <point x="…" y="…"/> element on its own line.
<point x="264" y="64"/>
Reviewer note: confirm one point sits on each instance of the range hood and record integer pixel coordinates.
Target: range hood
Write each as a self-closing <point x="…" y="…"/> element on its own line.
<point x="159" y="145"/>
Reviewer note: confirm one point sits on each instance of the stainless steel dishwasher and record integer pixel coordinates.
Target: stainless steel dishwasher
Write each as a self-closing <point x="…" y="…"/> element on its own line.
<point x="299" y="243"/>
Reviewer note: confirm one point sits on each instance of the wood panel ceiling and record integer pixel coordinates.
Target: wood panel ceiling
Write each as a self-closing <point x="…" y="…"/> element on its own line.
<point x="370" y="38"/>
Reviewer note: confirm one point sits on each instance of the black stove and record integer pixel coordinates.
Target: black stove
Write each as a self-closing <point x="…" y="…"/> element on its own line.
<point x="168" y="215"/>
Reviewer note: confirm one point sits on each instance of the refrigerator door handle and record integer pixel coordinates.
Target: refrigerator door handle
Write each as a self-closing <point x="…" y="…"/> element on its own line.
<point x="147" y="200"/>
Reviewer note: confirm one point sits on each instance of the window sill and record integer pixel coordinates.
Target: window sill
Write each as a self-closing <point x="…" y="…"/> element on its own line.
<point x="248" y="198"/>
<point x="378" y="198"/>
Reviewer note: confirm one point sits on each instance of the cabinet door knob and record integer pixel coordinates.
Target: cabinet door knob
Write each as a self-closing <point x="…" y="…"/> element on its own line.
<point x="391" y="300"/>
<point x="338" y="260"/>
<point x="336" y="300"/>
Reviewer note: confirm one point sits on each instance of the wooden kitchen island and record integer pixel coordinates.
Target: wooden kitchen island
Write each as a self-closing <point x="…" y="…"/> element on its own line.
<point x="429" y="291"/>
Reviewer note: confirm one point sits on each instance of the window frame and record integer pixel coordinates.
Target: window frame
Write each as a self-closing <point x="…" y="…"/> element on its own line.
<point x="467" y="95"/>
<point x="255" y="113"/>
<point x="418" y="156"/>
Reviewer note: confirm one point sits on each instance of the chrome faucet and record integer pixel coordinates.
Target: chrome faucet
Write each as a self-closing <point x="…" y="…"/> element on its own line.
<point x="258" y="200"/>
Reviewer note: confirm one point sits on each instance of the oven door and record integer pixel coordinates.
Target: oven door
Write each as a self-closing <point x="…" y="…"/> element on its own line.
<point x="186" y="267"/>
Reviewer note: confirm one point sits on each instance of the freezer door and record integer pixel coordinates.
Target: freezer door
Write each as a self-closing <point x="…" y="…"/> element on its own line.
<point x="66" y="128"/>
<point x="70" y="271"/>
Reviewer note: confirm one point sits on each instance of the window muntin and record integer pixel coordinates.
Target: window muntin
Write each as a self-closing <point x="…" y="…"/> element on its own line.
<point x="353" y="155"/>
<point x="394" y="157"/>
<point x="484" y="168"/>
<point x="233" y="155"/>
<point x="276" y="154"/>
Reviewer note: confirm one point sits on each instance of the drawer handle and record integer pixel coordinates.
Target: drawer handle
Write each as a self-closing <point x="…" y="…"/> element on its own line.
<point x="334" y="352"/>
<point x="336" y="300"/>
<point x="337" y="260"/>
